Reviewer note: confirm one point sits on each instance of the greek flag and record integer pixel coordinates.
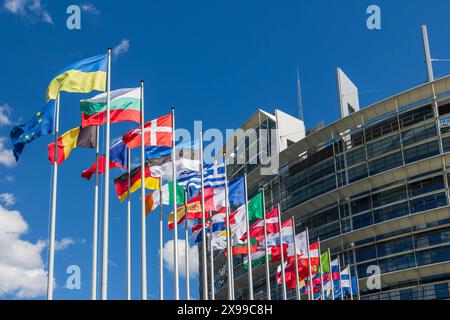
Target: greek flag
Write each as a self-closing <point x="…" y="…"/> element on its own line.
<point x="213" y="174"/>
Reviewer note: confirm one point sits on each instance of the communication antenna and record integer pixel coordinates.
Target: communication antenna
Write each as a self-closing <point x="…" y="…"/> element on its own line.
<point x="299" y="96"/>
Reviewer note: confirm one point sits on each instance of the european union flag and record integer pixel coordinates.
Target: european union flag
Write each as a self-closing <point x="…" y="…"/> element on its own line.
<point x="42" y="123"/>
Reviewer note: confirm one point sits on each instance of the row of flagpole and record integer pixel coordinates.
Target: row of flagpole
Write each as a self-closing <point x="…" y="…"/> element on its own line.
<point x="105" y="220"/>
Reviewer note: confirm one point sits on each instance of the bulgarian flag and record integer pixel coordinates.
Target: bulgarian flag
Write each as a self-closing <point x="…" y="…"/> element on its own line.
<point x="125" y="106"/>
<point x="74" y="138"/>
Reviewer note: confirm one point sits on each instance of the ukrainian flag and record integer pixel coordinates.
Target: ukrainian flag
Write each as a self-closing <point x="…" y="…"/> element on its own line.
<point x="83" y="77"/>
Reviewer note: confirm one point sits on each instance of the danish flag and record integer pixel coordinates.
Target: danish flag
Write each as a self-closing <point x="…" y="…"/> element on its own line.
<point x="157" y="132"/>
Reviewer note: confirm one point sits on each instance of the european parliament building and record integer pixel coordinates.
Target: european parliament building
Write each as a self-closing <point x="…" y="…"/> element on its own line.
<point x="372" y="186"/>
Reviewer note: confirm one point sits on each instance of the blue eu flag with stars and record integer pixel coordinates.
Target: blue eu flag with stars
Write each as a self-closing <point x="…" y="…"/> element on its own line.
<point x="42" y="123"/>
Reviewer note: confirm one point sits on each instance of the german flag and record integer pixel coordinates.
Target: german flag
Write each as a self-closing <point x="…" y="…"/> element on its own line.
<point x="135" y="182"/>
<point x="77" y="137"/>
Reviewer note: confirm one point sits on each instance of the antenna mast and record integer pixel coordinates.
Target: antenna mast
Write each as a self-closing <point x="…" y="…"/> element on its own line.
<point x="299" y="96"/>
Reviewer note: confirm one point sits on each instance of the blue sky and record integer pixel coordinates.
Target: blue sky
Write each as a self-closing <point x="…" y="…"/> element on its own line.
<point x="216" y="61"/>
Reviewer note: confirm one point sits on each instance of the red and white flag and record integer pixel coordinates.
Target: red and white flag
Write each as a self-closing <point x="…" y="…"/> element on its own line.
<point x="157" y="132"/>
<point x="257" y="229"/>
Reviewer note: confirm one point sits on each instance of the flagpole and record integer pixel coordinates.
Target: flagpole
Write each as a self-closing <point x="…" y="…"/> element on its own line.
<point x="340" y="278"/>
<point x="106" y="186"/>
<point x="211" y="256"/>
<point x="311" y="286"/>
<point x="51" y="260"/>
<point x="331" y="275"/>
<point x="269" y="294"/>
<point x="161" y="240"/>
<point x="297" y="280"/>
<point x="95" y="224"/>
<point x="204" y="247"/>
<point x="143" y="215"/>
<point x="350" y="282"/>
<point x="283" y="276"/>
<point x="129" y="226"/>
<point x="249" y="254"/>
<point x="175" y="212"/>
<point x="228" y="235"/>
<point x="322" y="295"/>
<point x="186" y="245"/>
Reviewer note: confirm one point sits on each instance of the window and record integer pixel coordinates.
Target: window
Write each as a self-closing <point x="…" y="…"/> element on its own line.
<point x="385" y="163"/>
<point x="384" y="146"/>
<point x="418" y="134"/>
<point x="422" y="151"/>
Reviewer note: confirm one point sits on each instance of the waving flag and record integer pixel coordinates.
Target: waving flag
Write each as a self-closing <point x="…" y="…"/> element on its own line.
<point x="117" y="159"/>
<point x="301" y="245"/>
<point x="157" y="132"/>
<point x="83" y="77"/>
<point x="125" y="106"/>
<point x="257" y="229"/>
<point x="181" y="216"/>
<point x="213" y="175"/>
<point x="236" y="192"/>
<point x="135" y="182"/>
<point x="78" y="137"/>
<point x="42" y="123"/>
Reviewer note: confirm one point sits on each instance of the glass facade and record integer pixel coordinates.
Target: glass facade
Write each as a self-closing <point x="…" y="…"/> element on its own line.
<point x="396" y="141"/>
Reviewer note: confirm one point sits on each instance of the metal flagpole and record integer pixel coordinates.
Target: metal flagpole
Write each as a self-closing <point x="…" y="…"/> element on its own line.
<point x="269" y="294"/>
<point x="51" y="259"/>
<point x="249" y="254"/>
<point x="357" y="283"/>
<point x="175" y="212"/>
<point x="331" y="275"/>
<point x="211" y="257"/>
<point x="228" y="235"/>
<point x="95" y="224"/>
<point x="204" y="247"/>
<point x="143" y="215"/>
<point x="283" y="276"/>
<point x="311" y="286"/>
<point x="322" y="294"/>
<point x="297" y="280"/>
<point x="161" y="240"/>
<point x="350" y="282"/>
<point x="340" y="278"/>
<point x="129" y="226"/>
<point x="428" y="59"/>
<point x="186" y="245"/>
<point x="106" y="184"/>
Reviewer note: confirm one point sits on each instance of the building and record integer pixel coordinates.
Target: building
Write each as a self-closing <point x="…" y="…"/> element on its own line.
<point x="373" y="186"/>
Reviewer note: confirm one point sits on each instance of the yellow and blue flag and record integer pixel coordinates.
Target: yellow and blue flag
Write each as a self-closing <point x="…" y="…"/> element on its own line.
<point x="42" y="123"/>
<point x="82" y="77"/>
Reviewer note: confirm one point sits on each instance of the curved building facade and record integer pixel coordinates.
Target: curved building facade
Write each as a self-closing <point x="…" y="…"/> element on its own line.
<point x="374" y="188"/>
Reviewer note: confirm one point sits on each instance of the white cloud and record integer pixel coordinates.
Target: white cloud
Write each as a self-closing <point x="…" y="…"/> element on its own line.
<point x="8" y="199"/>
<point x="193" y="258"/>
<point x="5" y="115"/>
<point x="29" y="10"/>
<point x="121" y="48"/>
<point x="6" y="155"/>
<point x="22" y="272"/>
<point x="64" y="243"/>
<point x="90" y="8"/>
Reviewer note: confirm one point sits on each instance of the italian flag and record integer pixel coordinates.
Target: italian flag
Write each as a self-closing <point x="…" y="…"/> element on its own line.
<point x="125" y="106"/>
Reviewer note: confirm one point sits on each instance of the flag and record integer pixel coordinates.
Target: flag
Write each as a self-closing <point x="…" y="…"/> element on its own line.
<point x="77" y="137"/>
<point x="197" y="231"/>
<point x="83" y="76"/>
<point x="213" y="177"/>
<point x="117" y="159"/>
<point x="301" y="245"/>
<point x="157" y="132"/>
<point x="346" y="282"/>
<point x="160" y="161"/>
<point x="287" y="235"/>
<point x="255" y="207"/>
<point x="125" y="105"/>
<point x="214" y="201"/>
<point x="241" y="248"/>
<point x="236" y="192"/>
<point x="257" y="229"/>
<point x="181" y="216"/>
<point x="314" y="257"/>
<point x="42" y="123"/>
<point x="258" y="259"/>
<point x="135" y="182"/>
<point x="219" y="240"/>
<point x="325" y="262"/>
<point x="152" y="201"/>
<point x="336" y="277"/>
